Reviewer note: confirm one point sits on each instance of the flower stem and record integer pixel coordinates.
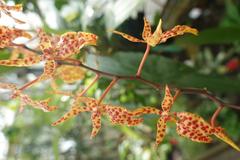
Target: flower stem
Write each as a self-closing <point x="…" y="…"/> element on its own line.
<point x="89" y="86"/>
<point x="216" y="113"/>
<point x="28" y="84"/>
<point x="108" y="89"/>
<point x="138" y="74"/>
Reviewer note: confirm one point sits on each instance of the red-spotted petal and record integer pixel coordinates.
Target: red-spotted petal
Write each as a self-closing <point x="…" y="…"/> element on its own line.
<point x="176" y="31"/>
<point x="167" y="100"/>
<point x="96" y="123"/>
<point x="128" y="37"/>
<point x="89" y="38"/>
<point x="161" y="130"/>
<point x="121" y="116"/>
<point x="49" y="70"/>
<point x="146" y="30"/>
<point x="219" y="133"/>
<point x="29" y="61"/>
<point x="75" y="110"/>
<point x="193" y="127"/>
<point x="146" y="110"/>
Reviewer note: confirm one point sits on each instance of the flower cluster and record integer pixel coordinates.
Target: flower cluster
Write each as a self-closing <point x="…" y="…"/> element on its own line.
<point x="63" y="48"/>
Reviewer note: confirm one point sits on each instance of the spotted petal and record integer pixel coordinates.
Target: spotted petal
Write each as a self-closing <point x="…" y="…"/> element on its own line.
<point x="69" y="44"/>
<point x="122" y="116"/>
<point x="128" y="37"/>
<point x="176" y="31"/>
<point x="75" y="110"/>
<point x="29" y="61"/>
<point x="193" y="127"/>
<point x="89" y="38"/>
<point x="221" y="135"/>
<point x="146" y="30"/>
<point x="96" y="123"/>
<point x="161" y="130"/>
<point x="154" y="39"/>
<point x="167" y="100"/>
<point x="26" y="100"/>
<point x="49" y="70"/>
<point x="146" y="110"/>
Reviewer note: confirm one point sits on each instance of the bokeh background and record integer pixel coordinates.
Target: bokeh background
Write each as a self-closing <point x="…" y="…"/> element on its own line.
<point x="210" y="60"/>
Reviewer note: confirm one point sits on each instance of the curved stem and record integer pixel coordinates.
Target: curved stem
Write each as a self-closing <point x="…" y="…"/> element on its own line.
<point x="153" y="84"/>
<point x="89" y="86"/>
<point x="138" y="74"/>
<point x="214" y="117"/>
<point x="107" y="89"/>
<point x="28" y="84"/>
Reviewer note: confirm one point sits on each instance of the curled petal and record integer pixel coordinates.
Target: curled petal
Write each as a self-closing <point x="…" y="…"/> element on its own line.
<point x="146" y="110"/>
<point x="29" y="61"/>
<point x="154" y="39"/>
<point x="193" y="127"/>
<point x="89" y="102"/>
<point x="75" y="110"/>
<point x="96" y="123"/>
<point x="69" y="44"/>
<point x="70" y="74"/>
<point x="176" y="31"/>
<point x="161" y="130"/>
<point x="221" y="135"/>
<point x="128" y="37"/>
<point x="89" y="38"/>
<point x="146" y="30"/>
<point x="168" y="100"/>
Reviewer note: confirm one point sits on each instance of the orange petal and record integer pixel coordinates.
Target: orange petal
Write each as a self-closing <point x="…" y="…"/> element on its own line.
<point x="161" y="130"/>
<point x="146" y="110"/>
<point x="69" y="45"/>
<point x="221" y="135"/>
<point x="96" y="123"/>
<point x="176" y="31"/>
<point x="27" y="100"/>
<point x="193" y="127"/>
<point x="89" y="38"/>
<point x="146" y="30"/>
<point x="121" y="116"/>
<point x="154" y="39"/>
<point x="128" y="37"/>
<point x="75" y="110"/>
<point x="167" y="100"/>
<point x="49" y="70"/>
<point x="21" y="62"/>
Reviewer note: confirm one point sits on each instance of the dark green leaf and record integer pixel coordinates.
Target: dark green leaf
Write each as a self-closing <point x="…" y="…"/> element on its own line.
<point x="164" y="71"/>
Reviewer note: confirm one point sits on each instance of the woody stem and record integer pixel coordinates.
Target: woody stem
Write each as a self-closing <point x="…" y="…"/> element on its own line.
<point x="108" y="89"/>
<point x="89" y="86"/>
<point x="138" y="74"/>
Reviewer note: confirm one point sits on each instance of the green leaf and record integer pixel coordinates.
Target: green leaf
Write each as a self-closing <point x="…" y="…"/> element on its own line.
<point x="163" y="70"/>
<point x="60" y="3"/>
